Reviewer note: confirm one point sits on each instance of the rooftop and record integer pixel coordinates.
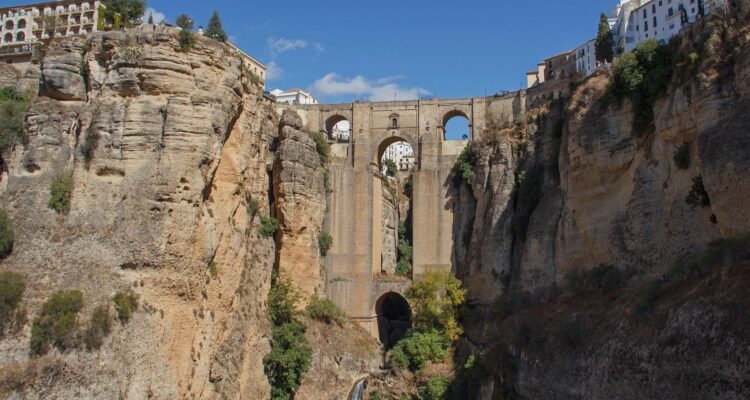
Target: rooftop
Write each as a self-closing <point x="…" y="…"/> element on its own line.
<point x="44" y="4"/>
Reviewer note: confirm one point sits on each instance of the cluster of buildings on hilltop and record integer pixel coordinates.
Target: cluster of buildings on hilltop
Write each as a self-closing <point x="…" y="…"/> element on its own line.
<point x="400" y="153"/>
<point x="631" y="22"/>
<point x="22" y="27"/>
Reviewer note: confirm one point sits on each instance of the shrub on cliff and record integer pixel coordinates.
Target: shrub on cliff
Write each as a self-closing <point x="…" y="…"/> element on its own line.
<point x="390" y="167"/>
<point x="438" y="303"/>
<point x="125" y="304"/>
<point x="268" y="226"/>
<point x="100" y="325"/>
<point x="405" y="251"/>
<point x="290" y="354"/>
<point x="13" y="107"/>
<point x="325" y="310"/>
<point x="7" y="237"/>
<point x="642" y="75"/>
<point x="322" y="146"/>
<point x="186" y="40"/>
<point x="434" y="389"/>
<point x="698" y="196"/>
<point x="463" y="170"/>
<point x="60" y="192"/>
<point x="418" y="347"/>
<point x="12" y="287"/>
<point x="123" y="13"/>
<point x="725" y="252"/>
<point x="325" y="241"/>
<point x="57" y="322"/>
<point x="90" y="143"/>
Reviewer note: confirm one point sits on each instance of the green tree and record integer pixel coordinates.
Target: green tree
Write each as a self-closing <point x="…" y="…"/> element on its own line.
<point x="604" y="41"/>
<point x="151" y="18"/>
<point x="124" y="12"/>
<point x="215" y="30"/>
<point x="185" y="22"/>
<point x="438" y="301"/>
<point x="325" y="241"/>
<point x="60" y="192"/>
<point x="13" y="108"/>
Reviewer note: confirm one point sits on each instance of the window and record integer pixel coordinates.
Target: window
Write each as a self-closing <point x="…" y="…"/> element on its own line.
<point x="653" y="8"/>
<point x="659" y="3"/>
<point x="670" y="12"/>
<point x="645" y="26"/>
<point x="655" y="22"/>
<point x="645" y="13"/>
<point x="671" y="27"/>
<point x="394" y="122"/>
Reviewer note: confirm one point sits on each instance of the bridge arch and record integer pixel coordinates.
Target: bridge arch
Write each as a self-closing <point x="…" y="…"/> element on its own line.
<point x="381" y="144"/>
<point x="394" y="318"/>
<point x="451" y="115"/>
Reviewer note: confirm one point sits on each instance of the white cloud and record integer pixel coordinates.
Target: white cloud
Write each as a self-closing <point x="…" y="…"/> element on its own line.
<point x="281" y="45"/>
<point x="158" y="16"/>
<point x="273" y="71"/>
<point x="376" y="90"/>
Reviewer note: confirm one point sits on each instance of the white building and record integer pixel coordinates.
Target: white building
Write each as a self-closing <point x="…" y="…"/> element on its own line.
<point x="586" y="58"/>
<point x="341" y="131"/>
<point x="293" y="96"/>
<point x="663" y="19"/>
<point x="22" y="26"/>
<point x="400" y="153"/>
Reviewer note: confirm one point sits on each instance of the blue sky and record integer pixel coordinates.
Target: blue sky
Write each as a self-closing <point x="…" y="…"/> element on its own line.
<point x="397" y="49"/>
<point x="401" y="49"/>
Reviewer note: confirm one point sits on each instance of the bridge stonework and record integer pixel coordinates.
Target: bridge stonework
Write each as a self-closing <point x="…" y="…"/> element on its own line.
<point x="352" y="268"/>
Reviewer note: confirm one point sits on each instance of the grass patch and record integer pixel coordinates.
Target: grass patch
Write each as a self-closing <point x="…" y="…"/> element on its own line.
<point x="325" y="310"/>
<point x="253" y="205"/>
<point x="60" y="192"/>
<point x="57" y="322"/>
<point x="213" y="270"/>
<point x="125" y="304"/>
<point x="325" y="241"/>
<point x="12" y="287"/>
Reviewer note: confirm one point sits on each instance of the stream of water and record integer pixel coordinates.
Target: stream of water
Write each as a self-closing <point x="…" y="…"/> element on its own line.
<point x="359" y="387"/>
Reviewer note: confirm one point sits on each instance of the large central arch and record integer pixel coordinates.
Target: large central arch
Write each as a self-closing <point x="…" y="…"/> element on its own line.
<point x="394" y="318"/>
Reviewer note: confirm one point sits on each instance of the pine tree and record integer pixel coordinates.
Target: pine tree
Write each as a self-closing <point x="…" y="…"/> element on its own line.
<point x="185" y="22"/>
<point x="151" y="18"/>
<point x="604" y="41"/>
<point x="215" y="30"/>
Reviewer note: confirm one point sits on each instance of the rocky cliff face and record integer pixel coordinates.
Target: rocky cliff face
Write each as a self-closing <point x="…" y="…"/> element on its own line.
<point x="579" y="189"/>
<point x="166" y="149"/>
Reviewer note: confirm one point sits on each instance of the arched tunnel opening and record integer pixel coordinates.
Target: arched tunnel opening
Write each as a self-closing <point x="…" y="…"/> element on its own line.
<point x="394" y="318"/>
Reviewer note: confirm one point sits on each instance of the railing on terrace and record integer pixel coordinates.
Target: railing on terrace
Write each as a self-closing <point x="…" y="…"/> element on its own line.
<point x="16" y="50"/>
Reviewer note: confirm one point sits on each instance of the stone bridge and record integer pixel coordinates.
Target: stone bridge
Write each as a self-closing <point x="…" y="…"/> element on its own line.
<point x="353" y="265"/>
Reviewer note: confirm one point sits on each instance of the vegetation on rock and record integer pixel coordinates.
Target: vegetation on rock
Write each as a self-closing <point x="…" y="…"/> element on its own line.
<point x="268" y="226"/>
<point x="438" y="303"/>
<point x="7" y="237"/>
<point x="125" y="304"/>
<point x="13" y="107"/>
<point x="99" y="327"/>
<point x="122" y="13"/>
<point x="405" y="251"/>
<point x="463" y="171"/>
<point x="57" y="322"/>
<point x="418" y="347"/>
<point x="698" y="197"/>
<point x="60" y="192"/>
<point x="642" y="76"/>
<point x="290" y="354"/>
<point x="322" y="146"/>
<point x="390" y="167"/>
<point x="325" y="241"/>
<point x="434" y="389"/>
<point x="325" y="310"/>
<point x="12" y="287"/>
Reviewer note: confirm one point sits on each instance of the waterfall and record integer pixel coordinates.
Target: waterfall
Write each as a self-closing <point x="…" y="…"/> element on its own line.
<point x="359" y="387"/>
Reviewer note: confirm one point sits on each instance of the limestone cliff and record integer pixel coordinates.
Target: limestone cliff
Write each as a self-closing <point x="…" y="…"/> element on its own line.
<point x="573" y="185"/>
<point x="167" y="149"/>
